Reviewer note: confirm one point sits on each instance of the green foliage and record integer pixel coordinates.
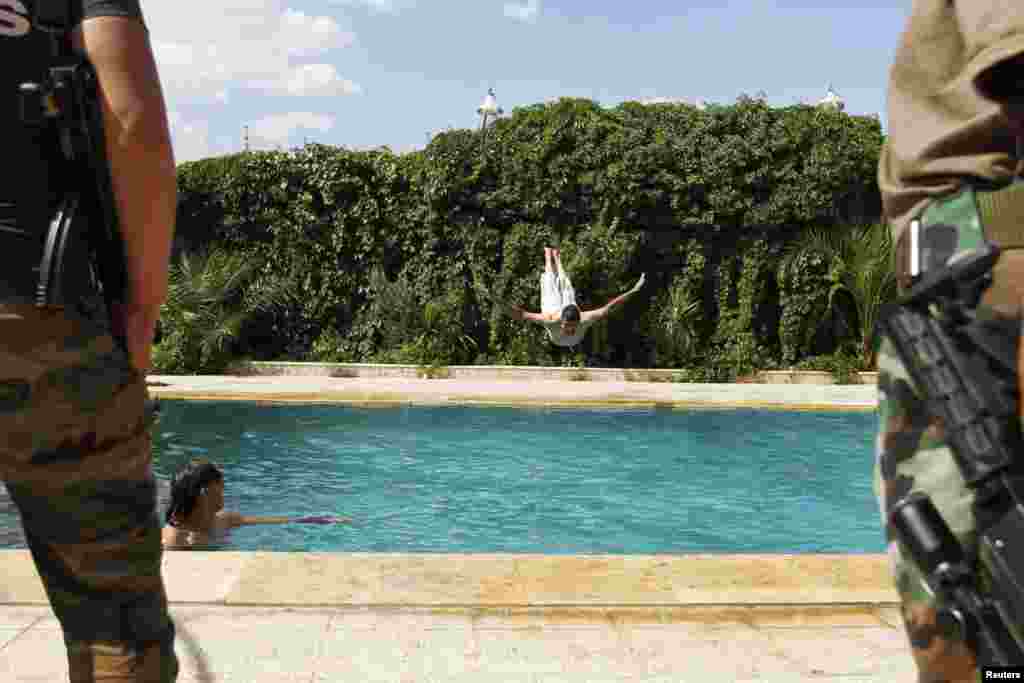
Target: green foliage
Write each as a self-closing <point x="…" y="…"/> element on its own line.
<point x="802" y="279"/>
<point x="425" y="332"/>
<point x="843" y="365"/>
<point x="859" y="263"/>
<point x="675" y="318"/>
<point x="738" y="347"/>
<point x="209" y="298"/>
<point x="463" y="223"/>
<point x="330" y="347"/>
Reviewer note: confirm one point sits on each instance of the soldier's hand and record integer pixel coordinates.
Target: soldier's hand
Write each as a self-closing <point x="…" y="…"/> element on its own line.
<point x="137" y="326"/>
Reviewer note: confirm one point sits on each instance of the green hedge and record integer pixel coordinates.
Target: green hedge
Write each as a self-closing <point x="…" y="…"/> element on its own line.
<point x="703" y="201"/>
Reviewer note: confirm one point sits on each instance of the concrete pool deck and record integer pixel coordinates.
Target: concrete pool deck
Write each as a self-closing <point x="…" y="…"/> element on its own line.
<point x="568" y="618"/>
<point x="308" y="617"/>
<point x="515" y="391"/>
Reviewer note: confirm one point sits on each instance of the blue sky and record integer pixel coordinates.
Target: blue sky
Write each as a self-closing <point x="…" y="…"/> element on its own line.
<point x="365" y="73"/>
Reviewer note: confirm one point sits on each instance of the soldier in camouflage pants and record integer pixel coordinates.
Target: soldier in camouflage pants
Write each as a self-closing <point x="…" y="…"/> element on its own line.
<point x="912" y="456"/>
<point x="911" y="451"/>
<point x="955" y="119"/>
<point x="76" y="461"/>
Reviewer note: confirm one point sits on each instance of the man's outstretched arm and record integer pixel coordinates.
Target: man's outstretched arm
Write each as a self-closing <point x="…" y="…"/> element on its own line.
<point x="601" y="313"/>
<point x="519" y="313"/>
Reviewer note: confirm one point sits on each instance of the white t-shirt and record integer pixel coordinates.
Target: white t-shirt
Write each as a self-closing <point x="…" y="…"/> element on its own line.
<point x="554" y="328"/>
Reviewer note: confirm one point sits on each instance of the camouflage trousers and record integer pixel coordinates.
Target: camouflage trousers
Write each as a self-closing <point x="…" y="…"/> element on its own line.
<point x="75" y="457"/>
<point x="912" y="455"/>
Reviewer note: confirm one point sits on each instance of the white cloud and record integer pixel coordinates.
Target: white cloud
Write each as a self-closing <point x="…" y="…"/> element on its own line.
<point x="699" y="102"/>
<point x="313" y="79"/>
<point x="527" y="11"/>
<point x="277" y="130"/>
<point x="189" y="139"/>
<point x="205" y="51"/>
<point x="379" y="5"/>
<point x="305" y="36"/>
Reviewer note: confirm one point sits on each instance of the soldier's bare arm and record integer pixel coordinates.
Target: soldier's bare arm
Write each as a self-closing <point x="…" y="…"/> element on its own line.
<point x="141" y="164"/>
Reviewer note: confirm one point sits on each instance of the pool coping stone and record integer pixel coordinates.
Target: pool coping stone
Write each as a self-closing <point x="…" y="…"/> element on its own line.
<point x="500" y="581"/>
<point x="393" y="391"/>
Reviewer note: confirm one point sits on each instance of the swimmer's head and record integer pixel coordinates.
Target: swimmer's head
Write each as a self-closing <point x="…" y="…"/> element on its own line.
<point x="199" y="478"/>
<point x="570" y="319"/>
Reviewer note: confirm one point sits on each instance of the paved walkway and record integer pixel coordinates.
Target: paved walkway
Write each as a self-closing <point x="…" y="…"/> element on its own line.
<point x="338" y="617"/>
<point x="371" y="645"/>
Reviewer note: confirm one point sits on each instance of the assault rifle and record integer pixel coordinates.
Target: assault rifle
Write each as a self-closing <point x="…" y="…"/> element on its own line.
<point x="83" y="245"/>
<point x="966" y="368"/>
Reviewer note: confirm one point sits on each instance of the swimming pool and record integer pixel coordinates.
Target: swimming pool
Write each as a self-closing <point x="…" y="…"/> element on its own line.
<point x="458" y="479"/>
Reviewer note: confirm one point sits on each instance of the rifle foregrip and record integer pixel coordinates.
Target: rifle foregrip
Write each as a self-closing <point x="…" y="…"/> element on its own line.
<point x="956" y="390"/>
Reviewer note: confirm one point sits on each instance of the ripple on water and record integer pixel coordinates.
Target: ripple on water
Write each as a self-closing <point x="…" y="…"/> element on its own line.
<point x="532" y="480"/>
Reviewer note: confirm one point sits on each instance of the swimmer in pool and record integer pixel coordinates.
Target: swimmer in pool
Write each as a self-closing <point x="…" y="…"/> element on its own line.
<point x="196" y="514"/>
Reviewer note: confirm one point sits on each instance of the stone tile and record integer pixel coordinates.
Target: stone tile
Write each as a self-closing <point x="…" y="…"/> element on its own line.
<point x="697" y="633"/>
<point x="897" y="667"/>
<point x="518" y="388"/>
<point x="19" y="617"/>
<point x="245" y="676"/>
<point x="653" y="582"/>
<point x="21" y="584"/>
<point x="586" y="678"/>
<point x="521" y="652"/>
<point x="238" y="643"/>
<point x="9" y="634"/>
<point x="544" y="617"/>
<point x="702" y="579"/>
<point x="887" y="642"/>
<point x="425" y="654"/>
<point x="891" y="616"/>
<point x="691" y="616"/>
<point x="47" y="624"/>
<point x="253" y="618"/>
<point x="801" y="678"/>
<point x="595" y="580"/>
<point x="245" y="661"/>
<point x="202" y="577"/>
<point x="594" y="652"/>
<point x="399" y="620"/>
<point x="719" y="653"/>
<point x="819" y="616"/>
<point x="34" y="656"/>
<point x="835" y="652"/>
<point x="377" y="578"/>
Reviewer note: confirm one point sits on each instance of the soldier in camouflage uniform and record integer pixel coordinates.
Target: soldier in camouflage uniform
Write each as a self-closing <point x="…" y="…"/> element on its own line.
<point x="74" y="431"/>
<point x="950" y="163"/>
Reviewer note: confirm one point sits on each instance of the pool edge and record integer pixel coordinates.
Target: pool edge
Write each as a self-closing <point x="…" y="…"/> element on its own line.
<point x="322" y="398"/>
<point x="501" y="581"/>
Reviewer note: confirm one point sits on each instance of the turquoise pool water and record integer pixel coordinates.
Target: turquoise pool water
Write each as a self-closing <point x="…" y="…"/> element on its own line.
<point x="533" y="480"/>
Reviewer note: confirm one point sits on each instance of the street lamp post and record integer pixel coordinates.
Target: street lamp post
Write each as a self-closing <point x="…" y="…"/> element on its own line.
<point x="489" y="108"/>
